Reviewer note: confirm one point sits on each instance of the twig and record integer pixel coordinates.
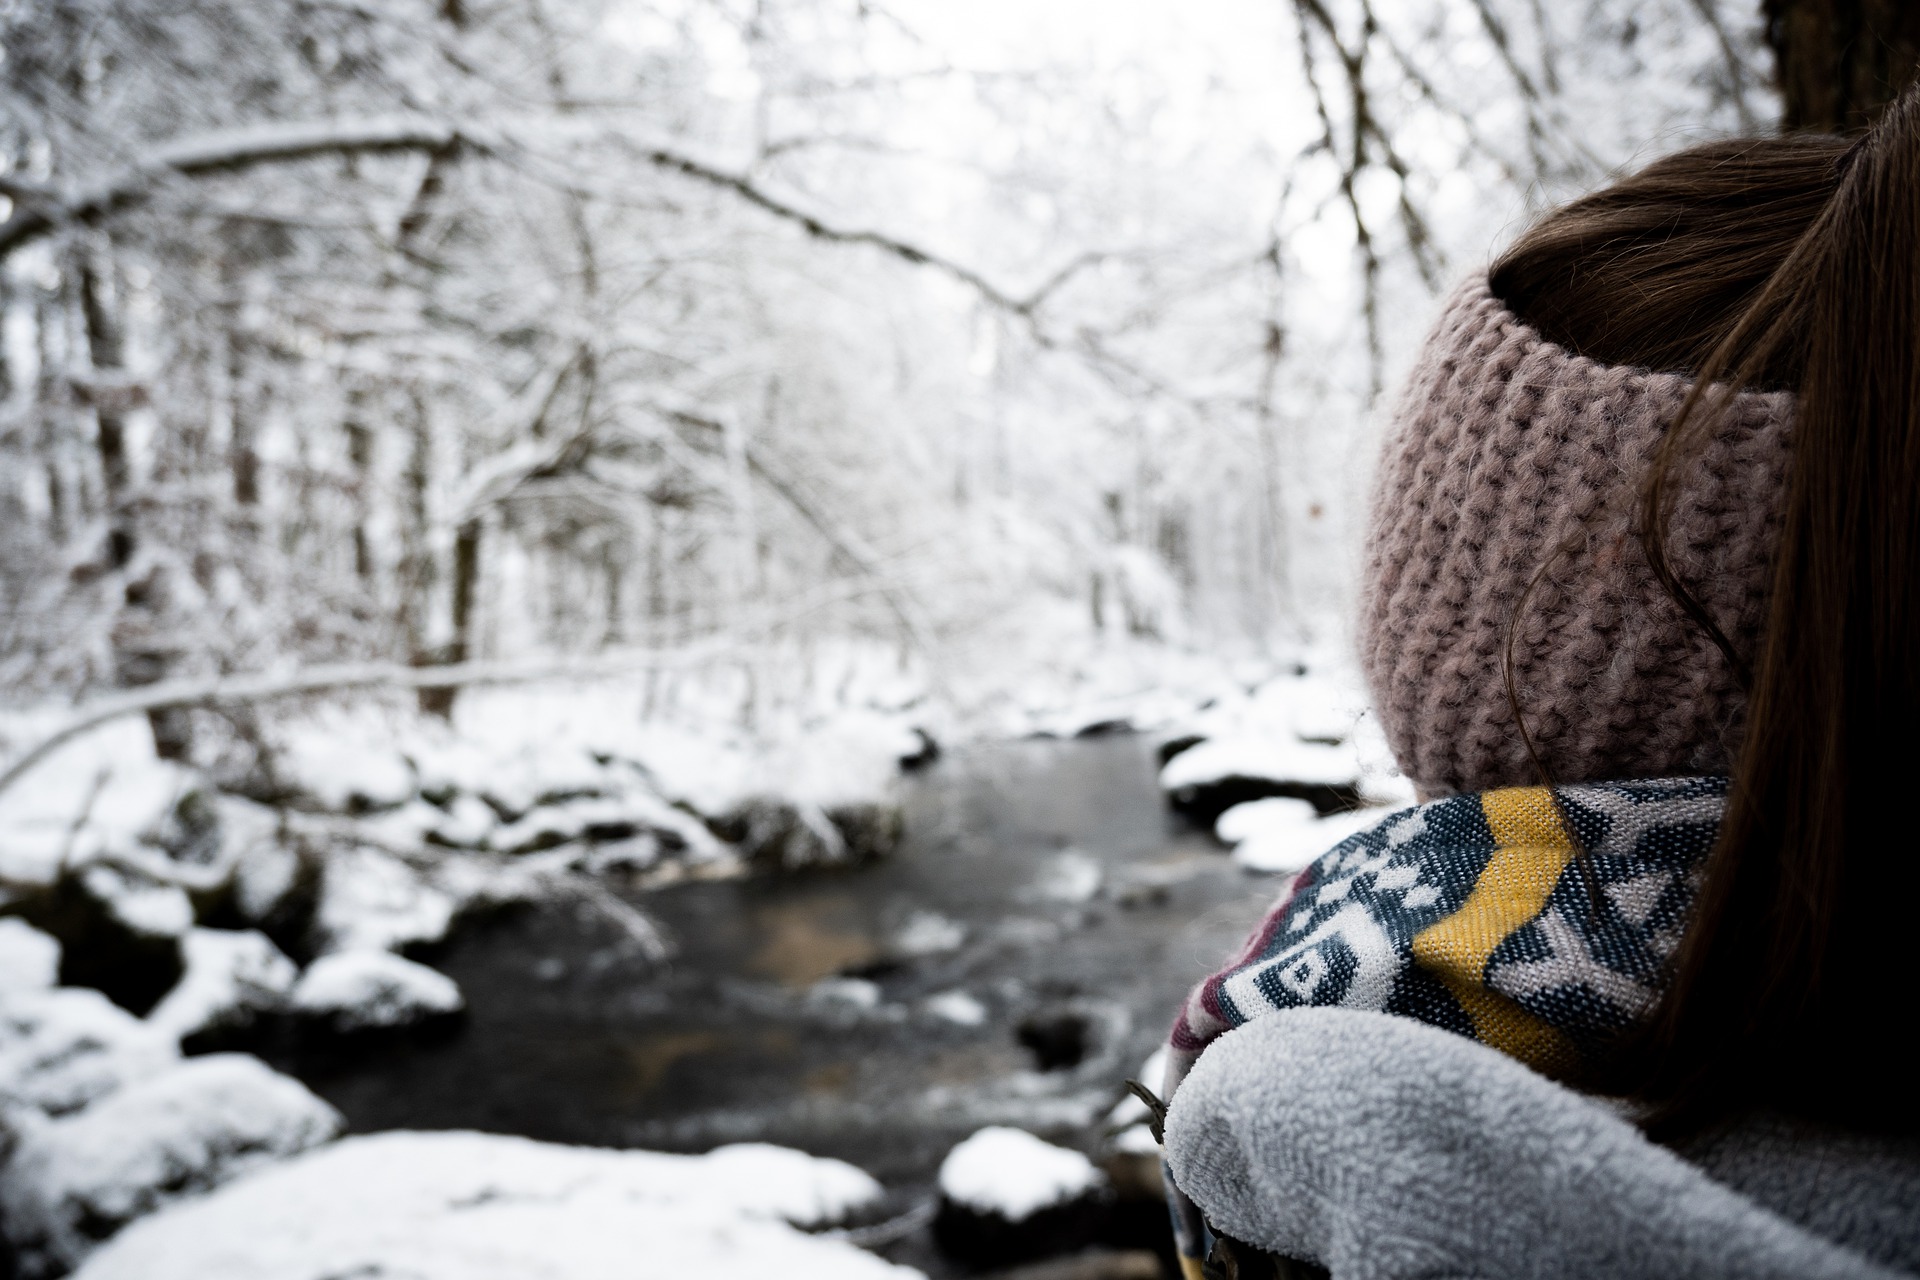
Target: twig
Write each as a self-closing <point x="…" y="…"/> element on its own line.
<point x="639" y="927"/>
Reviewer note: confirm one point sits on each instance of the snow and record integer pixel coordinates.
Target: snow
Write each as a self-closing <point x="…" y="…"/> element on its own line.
<point x="231" y="976"/>
<point x="469" y="1206"/>
<point x="363" y="990"/>
<point x="1282" y="835"/>
<point x="850" y="759"/>
<point x="139" y="902"/>
<point x="1069" y="876"/>
<point x="265" y="871"/>
<point x="189" y="1128"/>
<point x="102" y="792"/>
<point x="468" y="822"/>
<point x="861" y="993"/>
<point x="1276" y="813"/>
<point x="61" y="1049"/>
<point x="563" y="823"/>
<point x="29" y="959"/>
<point x="1276" y="757"/>
<point x="344" y="759"/>
<point x="928" y="933"/>
<point x="1311" y="725"/>
<point x="1153" y="1074"/>
<point x="371" y="900"/>
<point x="957" y="1007"/>
<point x="1136" y="1140"/>
<point x="1014" y="1174"/>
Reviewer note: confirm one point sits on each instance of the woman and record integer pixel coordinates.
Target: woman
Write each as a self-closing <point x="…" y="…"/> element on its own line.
<point x="1642" y="621"/>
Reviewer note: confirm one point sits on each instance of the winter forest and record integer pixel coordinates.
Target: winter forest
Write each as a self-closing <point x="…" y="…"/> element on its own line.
<point x="567" y="565"/>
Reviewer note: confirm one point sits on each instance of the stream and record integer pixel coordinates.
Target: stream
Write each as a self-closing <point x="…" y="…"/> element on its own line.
<point x="1012" y="963"/>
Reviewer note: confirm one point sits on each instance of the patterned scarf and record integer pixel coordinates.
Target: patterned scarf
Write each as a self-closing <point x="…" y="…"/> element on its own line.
<point x="1538" y="921"/>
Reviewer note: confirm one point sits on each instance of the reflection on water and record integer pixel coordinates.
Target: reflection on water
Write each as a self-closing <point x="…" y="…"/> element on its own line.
<point x="1043" y="911"/>
<point x="811" y="938"/>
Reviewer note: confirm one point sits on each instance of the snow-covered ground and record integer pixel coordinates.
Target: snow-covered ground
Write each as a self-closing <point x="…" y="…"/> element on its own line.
<point x="469" y="1206"/>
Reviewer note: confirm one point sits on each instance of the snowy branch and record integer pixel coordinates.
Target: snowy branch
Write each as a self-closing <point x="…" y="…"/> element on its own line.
<point x="222" y="151"/>
<point x="1019" y="304"/>
<point x="39" y="211"/>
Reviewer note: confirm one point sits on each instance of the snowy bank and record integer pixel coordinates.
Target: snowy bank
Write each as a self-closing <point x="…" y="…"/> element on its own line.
<point x="1306" y="734"/>
<point x="468" y="1206"/>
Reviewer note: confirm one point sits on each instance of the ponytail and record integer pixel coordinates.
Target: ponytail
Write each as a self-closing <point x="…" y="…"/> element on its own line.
<point x="1782" y="263"/>
<point x="1793" y="985"/>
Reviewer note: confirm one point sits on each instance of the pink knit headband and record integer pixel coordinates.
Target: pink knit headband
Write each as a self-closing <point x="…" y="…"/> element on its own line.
<point x="1507" y="448"/>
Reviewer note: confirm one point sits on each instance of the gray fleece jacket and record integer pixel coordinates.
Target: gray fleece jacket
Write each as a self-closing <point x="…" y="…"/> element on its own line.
<point x="1386" y="1149"/>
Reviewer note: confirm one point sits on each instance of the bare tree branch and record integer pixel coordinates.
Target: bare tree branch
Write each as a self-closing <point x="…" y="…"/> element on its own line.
<point x="223" y="151"/>
<point x="1736" y="65"/>
<point x="846" y="544"/>
<point x="40" y="212"/>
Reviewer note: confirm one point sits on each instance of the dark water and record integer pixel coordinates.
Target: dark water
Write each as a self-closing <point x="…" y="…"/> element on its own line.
<point x="571" y="1036"/>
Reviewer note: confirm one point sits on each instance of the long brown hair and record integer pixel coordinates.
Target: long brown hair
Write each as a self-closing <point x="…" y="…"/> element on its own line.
<point x="1789" y="262"/>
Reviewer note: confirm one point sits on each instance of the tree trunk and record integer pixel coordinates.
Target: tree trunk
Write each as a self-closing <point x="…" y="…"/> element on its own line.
<point x="1839" y="61"/>
<point x="360" y="458"/>
<point x="466" y="581"/>
<point x="106" y="352"/>
<point x="141" y="653"/>
<point x="6" y="367"/>
<point x="50" y="325"/>
<point x="243" y="445"/>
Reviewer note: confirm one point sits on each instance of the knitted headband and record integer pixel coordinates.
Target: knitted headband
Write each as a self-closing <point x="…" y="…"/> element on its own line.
<point x="1509" y="453"/>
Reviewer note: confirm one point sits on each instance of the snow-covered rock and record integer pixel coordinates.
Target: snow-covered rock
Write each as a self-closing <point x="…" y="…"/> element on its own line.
<point x="345" y="760"/>
<point x="857" y="993"/>
<point x="780" y="834"/>
<point x="232" y="977"/>
<point x="927" y="933"/>
<point x="1281" y="835"/>
<point x="1014" y="1174"/>
<point x="372" y="990"/>
<point x="266" y="872"/>
<point x="1206" y="779"/>
<point x="187" y="1129"/>
<point x="960" y="1008"/>
<point x="469" y="1206"/>
<point x="61" y="1049"/>
<point x="467" y="823"/>
<point x="101" y="793"/>
<point x="594" y="818"/>
<point x="1277" y="757"/>
<point x="1006" y="1196"/>
<point x="29" y="959"/>
<point x="370" y="900"/>
<point x="1068" y="876"/>
<point x="139" y="902"/>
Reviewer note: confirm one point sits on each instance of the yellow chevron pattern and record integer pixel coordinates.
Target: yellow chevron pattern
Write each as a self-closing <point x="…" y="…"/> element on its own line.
<point x="1531" y="848"/>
